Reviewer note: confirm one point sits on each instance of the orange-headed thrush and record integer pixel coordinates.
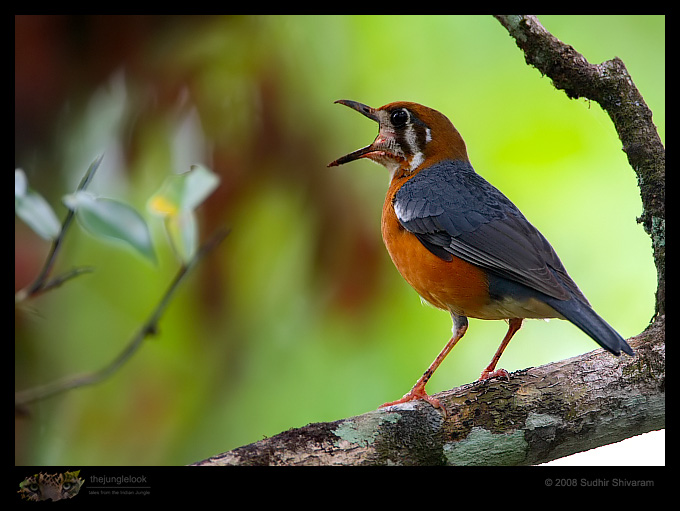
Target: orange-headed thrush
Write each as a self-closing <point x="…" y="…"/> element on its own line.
<point x="459" y="242"/>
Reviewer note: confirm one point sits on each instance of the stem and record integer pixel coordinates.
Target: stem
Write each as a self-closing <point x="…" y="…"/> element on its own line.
<point x="41" y="284"/>
<point x="148" y="328"/>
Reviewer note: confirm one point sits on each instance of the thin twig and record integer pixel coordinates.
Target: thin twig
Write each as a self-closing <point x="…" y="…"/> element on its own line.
<point x="149" y="327"/>
<point x="41" y="283"/>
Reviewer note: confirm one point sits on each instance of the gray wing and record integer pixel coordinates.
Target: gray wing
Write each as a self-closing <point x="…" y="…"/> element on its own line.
<point x="455" y="212"/>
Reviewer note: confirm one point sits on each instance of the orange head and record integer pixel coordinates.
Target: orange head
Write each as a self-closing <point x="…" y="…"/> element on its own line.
<point x="409" y="135"/>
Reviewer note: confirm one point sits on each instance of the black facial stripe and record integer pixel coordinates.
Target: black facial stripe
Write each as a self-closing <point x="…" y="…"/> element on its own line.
<point x="413" y="136"/>
<point x="402" y="139"/>
<point x="421" y="135"/>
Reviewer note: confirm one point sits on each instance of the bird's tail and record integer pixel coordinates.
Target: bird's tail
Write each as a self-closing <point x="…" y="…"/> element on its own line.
<point x="584" y="317"/>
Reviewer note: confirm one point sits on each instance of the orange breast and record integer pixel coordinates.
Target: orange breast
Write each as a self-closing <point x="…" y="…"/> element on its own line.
<point x="455" y="285"/>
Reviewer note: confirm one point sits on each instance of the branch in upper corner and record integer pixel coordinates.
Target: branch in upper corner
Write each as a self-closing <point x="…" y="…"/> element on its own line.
<point x="610" y="85"/>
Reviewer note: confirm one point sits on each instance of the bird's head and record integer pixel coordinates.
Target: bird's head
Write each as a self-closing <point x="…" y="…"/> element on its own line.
<point x="409" y="135"/>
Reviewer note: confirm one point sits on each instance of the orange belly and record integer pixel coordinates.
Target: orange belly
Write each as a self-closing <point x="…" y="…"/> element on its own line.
<point x="456" y="285"/>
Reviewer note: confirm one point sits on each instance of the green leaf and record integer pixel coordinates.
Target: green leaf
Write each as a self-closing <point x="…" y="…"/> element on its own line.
<point x="110" y="219"/>
<point x="183" y="192"/>
<point x="200" y="182"/>
<point x="182" y="230"/>
<point x="176" y="201"/>
<point x="20" y="183"/>
<point x="33" y="209"/>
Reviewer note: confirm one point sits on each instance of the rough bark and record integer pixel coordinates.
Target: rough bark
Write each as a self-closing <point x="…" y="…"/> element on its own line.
<point x="540" y="414"/>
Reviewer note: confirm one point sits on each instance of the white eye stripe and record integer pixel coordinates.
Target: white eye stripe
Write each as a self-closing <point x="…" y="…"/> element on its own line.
<point x="411" y="140"/>
<point x="417" y="159"/>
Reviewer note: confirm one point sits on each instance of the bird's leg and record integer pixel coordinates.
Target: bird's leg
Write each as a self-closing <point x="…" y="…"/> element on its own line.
<point x="460" y="324"/>
<point x="491" y="371"/>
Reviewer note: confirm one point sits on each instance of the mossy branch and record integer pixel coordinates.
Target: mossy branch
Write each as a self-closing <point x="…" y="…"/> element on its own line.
<point x="540" y="414"/>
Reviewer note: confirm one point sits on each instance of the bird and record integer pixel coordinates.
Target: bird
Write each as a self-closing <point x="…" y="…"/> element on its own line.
<point x="460" y="242"/>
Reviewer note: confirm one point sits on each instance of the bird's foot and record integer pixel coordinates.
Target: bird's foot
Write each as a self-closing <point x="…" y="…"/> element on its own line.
<point x="487" y="374"/>
<point x="417" y="392"/>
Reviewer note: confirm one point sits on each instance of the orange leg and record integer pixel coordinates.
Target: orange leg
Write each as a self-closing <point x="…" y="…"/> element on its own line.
<point x="491" y="372"/>
<point x="418" y="390"/>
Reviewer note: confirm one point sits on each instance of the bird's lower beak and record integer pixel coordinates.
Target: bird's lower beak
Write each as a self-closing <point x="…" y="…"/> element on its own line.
<point x="359" y="153"/>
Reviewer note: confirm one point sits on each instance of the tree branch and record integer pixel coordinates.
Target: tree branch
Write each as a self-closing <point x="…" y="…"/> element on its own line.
<point x="610" y="85"/>
<point x="540" y="414"/>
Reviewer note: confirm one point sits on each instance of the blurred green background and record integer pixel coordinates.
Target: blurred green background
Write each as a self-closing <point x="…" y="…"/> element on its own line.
<point x="299" y="315"/>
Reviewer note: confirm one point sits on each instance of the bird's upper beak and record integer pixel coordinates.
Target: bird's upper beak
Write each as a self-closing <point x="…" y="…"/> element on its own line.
<point x="369" y="112"/>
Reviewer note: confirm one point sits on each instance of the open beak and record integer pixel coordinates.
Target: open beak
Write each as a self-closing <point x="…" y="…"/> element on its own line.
<point x="359" y="153"/>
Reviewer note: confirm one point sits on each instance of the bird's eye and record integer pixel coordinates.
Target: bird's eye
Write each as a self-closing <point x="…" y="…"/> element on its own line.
<point x="399" y="118"/>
